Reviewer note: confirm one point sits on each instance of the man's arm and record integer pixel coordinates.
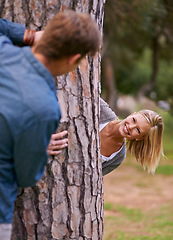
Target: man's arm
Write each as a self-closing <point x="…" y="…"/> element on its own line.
<point x="30" y="154"/>
<point x="14" y="31"/>
<point x="17" y="33"/>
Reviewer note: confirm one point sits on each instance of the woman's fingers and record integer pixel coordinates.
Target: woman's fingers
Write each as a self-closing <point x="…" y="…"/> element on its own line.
<point x="55" y="144"/>
<point x="59" y="135"/>
<point x="59" y="142"/>
<point x="50" y="152"/>
<point x="58" y="146"/>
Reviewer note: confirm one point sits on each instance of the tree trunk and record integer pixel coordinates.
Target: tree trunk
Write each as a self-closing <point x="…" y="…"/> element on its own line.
<point x="155" y="66"/>
<point x="109" y="83"/>
<point x="67" y="203"/>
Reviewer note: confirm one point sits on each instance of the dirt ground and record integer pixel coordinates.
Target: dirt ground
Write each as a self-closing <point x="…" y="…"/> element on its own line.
<point x="135" y="188"/>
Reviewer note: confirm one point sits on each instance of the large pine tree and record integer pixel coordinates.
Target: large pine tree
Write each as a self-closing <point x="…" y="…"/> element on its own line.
<point x="67" y="202"/>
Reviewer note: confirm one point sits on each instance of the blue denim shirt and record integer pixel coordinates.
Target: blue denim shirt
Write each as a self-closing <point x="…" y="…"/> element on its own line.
<point x="29" y="114"/>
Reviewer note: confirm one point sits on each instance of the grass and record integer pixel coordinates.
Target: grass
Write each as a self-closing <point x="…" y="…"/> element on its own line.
<point x="168" y="134"/>
<point x="165" y="170"/>
<point x="132" y="214"/>
<point x="132" y="224"/>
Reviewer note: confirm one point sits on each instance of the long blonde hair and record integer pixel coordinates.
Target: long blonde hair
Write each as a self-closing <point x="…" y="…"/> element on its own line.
<point x="148" y="150"/>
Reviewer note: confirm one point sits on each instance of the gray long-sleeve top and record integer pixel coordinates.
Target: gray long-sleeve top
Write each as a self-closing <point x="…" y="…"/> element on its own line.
<point x="107" y="115"/>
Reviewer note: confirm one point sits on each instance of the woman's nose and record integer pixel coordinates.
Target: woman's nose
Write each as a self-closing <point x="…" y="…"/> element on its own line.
<point x="132" y="126"/>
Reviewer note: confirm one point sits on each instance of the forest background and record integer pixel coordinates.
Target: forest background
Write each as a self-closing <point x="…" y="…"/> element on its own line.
<point x="137" y="73"/>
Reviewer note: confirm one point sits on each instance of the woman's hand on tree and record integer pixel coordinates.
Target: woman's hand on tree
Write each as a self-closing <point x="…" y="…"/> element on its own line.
<point x="57" y="143"/>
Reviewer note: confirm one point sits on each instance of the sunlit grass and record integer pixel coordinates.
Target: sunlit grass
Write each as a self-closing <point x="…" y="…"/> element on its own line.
<point x="132" y="224"/>
<point x="132" y="213"/>
<point x="165" y="170"/>
<point x="167" y="135"/>
<point x="109" y="206"/>
<point x="123" y="236"/>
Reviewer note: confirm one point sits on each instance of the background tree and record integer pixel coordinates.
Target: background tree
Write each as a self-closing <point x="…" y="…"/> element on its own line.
<point x="67" y="202"/>
<point x="139" y="44"/>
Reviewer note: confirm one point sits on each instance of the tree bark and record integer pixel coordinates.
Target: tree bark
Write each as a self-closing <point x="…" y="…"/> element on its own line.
<point x="155" y="67"/>
<point x="67" y="203"/>
<point x="109" y="83"/>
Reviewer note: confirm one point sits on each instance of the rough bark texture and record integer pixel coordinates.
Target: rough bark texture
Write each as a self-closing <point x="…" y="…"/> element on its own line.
<point x="67" y="202"/>
<point x="109" y="83"/>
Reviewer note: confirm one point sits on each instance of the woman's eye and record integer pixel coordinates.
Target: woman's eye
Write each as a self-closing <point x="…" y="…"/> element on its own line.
<point x="134" y="120"/>
<point x="138" y="130"/>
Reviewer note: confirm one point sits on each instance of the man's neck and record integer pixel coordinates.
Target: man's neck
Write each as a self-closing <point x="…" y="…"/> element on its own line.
<point x="53" y="67"/>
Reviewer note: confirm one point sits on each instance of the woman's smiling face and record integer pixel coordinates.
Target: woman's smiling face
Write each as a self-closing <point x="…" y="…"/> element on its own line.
<point x="135" y="126"/>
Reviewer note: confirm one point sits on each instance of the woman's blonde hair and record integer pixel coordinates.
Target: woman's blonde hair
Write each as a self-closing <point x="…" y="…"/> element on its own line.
<point x="149" y="149"/>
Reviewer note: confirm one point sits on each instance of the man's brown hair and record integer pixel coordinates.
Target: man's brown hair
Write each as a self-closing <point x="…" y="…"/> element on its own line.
<point x="69" y="33"/>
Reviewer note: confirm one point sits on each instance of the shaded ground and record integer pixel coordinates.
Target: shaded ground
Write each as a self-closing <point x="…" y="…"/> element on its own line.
<point x="136" y="189"/>
<point x="133" y="188"/>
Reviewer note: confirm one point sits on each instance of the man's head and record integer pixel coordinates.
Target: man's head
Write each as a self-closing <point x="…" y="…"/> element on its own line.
<point x="67" y="35"/>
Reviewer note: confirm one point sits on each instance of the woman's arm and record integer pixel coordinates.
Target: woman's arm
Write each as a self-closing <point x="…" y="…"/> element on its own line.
<point x="106" y="114"/>
<point x="112" y="162"/>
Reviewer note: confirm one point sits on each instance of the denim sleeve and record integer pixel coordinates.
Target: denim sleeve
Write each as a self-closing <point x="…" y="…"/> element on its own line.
<point x="14" y="31"/>
<point x="30" y="156"/>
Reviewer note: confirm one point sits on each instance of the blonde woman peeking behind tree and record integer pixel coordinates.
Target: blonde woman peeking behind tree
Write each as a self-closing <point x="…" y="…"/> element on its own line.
<point x="141" y="132"/>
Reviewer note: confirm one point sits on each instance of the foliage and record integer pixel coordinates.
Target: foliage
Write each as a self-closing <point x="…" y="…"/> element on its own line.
<point x="140" y="72"/>
<point x="164" y="85"/>
<point x="135" y="22"/>
<point x="129" y="29"/>
<point x="131" y="78"/>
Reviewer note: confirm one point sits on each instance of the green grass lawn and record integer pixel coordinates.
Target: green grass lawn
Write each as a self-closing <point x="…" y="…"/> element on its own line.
<point x="168" y="135"/>
<point x="133" y="224"/>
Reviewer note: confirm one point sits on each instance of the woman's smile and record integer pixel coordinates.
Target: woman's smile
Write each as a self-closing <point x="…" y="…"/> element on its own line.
<point x="125" y="129"/>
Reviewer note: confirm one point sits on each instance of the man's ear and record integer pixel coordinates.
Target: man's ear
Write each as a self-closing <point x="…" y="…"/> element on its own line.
<point x="73" y="59"/>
